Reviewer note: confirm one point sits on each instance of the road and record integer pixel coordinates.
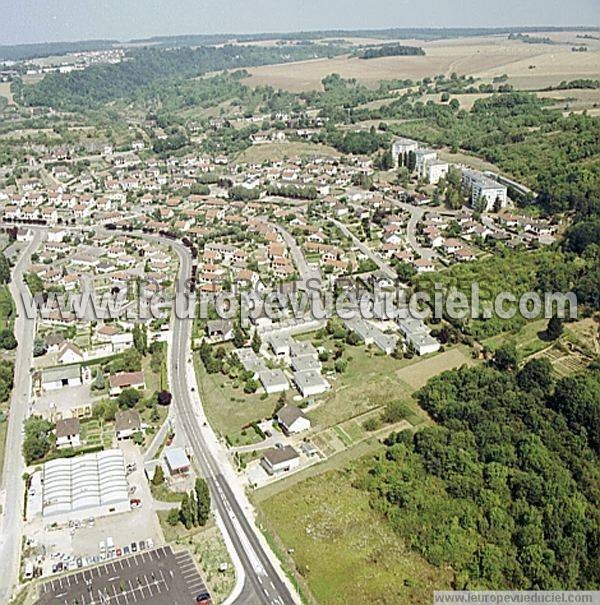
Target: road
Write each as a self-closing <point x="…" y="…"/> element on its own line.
<point x="263" y="582"/>
<point x="11" y="521"/>
<point x="381" y="264"/>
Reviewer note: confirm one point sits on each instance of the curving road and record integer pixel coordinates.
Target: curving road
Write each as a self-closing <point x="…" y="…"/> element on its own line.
<point x="11" y="520"/>
<point x="263" y="582"/>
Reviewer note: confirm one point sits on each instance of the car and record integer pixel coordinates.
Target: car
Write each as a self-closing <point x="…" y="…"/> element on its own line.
<point x="119" y="552"/>
<point x="135" y="503"/>
<point x="79" y="562"/>
<point x="142" y="545"/>
<point x="150" y="543"/>
<point x="133" y="547"/>
<point x="204" y="598"/>
<point x="126" y="550"/>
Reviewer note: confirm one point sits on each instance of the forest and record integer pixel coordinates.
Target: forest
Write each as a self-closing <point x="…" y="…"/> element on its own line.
<point x="391" y="50"/>
<point x="146" y="67"/>
<point x="504" y="489"/>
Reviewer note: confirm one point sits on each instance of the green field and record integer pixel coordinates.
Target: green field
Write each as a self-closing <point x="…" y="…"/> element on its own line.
<point x="339" y="547"/>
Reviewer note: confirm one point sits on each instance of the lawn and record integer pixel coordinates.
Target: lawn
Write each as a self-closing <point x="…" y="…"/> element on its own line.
<point x="7" y="308"/>
<point x="339" y="547"/>
<point x="228" y="408"/>
<point x="369" y="382"/>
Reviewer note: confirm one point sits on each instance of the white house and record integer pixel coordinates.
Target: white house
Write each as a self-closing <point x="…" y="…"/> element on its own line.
<point x="280" y="460"/>
<point x="67" y="433"/>
<point x="292" y="420"/>
<point x="69" y="353"/>
<point x="273" y="381"/>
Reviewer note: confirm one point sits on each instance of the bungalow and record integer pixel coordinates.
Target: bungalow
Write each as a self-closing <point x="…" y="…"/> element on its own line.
<point x="310" y="383"/>
<point x="280" y="460"/>
<point x="67" y="433"/>
<point x="273" y="381"/>
<point x="292" y="420"/>
<point x="220" y="330"/>
<point x="127" y="423"/>
<point x="126" y="380"/>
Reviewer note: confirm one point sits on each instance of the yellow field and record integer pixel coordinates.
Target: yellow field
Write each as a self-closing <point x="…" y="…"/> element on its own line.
<point x="5" y="92"/>
<point x="483" y="57"/>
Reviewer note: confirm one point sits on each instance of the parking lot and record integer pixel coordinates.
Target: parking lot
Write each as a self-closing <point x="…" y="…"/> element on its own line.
<point x="156" y="577"/>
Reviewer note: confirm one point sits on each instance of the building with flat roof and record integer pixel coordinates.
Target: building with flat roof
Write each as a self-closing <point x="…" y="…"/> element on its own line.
<point x="401" y="146"/>
<point x="250" y="361"/>
<point x="484" y="188"/>
<point x="273" y="381"/>
<point x="92" y="485"/>
<point x="310" y="383"/>
<point x="177" y="461"/>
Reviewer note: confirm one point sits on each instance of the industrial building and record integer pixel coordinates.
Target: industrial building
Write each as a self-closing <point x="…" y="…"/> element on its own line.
<point x="92" y="485"/>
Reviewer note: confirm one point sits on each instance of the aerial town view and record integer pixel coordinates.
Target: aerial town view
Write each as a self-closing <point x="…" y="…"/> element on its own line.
<point x="299" y="302"/>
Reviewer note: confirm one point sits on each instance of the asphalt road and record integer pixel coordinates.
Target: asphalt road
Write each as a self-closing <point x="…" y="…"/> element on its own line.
<point x="11" y="520"/>
<point x="263" y="582"/>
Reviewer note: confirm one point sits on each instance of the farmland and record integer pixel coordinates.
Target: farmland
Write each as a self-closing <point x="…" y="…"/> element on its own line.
<point x="528" y="66"/>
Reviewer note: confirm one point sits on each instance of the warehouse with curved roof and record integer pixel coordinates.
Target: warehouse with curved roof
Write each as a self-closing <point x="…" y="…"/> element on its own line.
<point x="93" y="484"/>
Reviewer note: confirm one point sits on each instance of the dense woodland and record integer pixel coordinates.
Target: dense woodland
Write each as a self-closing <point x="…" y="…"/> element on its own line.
<point x="150" y="66"/>
<point x="505" y="488"/>
<point x="391" y="50"/>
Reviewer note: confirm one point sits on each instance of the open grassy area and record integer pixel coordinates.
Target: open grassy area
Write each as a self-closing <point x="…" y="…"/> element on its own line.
<point x="7" y="308"/>
<point x="340" y="548"/>
<point x="228" y="408"/>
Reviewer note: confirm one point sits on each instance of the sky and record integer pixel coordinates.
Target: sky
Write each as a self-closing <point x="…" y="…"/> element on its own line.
<point x="25" y="21"/>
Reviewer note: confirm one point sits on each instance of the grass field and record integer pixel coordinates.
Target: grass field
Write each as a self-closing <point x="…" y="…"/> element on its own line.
<point x="418" y="374"/>
<point x="229" y="408"/>
<point x="340" y="548"/>
<point x="483" y="57"/>
<point x="6" y="93"/>
<point x="284" y="149"/>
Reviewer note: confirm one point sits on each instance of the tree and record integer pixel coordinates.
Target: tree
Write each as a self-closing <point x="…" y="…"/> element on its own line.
<point x="4" y="269"/>
<point x="7" y="339"/>
<point x="554" y="328"/>
<point x="185" y="512"/>
<point x="251" y="386"/>
<point x="164" y="398"/>
<point x="536" y="374"/>
<point x="159" y="475"/>
<point x="506" y="357"/>
<point x="38" y="438"/>
<point x="239" y="338"/>
<point x="140" y="339"/>
<point x="203" y="500"/>
<point x="39" y="347"/>
<point x="256" y="342"/>
<point x="173" y="517"/>
<point x="128" y="398"/>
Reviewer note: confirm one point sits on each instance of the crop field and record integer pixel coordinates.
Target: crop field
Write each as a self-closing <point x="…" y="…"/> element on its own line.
<point x="341" y="547"/>
<point x="528" y="66"/>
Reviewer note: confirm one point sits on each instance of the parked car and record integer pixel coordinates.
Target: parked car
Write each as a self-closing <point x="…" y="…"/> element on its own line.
<point x="204" y="598"/>
<point x="119" y="552"/>
<point x="133" y="547"/>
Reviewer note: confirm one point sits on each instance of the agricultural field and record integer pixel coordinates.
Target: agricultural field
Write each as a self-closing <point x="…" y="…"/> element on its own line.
<point x="483" y="57"/>
<point x="339" y="546"/>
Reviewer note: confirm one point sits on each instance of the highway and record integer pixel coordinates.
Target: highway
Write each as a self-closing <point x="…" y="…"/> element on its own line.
<point x="12" y="486"/>
<point x="263" y="582"/>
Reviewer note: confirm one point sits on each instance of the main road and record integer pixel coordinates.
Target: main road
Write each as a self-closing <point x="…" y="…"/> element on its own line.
<point x="264" y="580"/>
<point x="12" y="486"/>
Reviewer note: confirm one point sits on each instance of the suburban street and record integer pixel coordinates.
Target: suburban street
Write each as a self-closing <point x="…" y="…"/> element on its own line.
<point x="263" y="581"/>
<point x="381" y="264"/>
<point x="12" y="486"/>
